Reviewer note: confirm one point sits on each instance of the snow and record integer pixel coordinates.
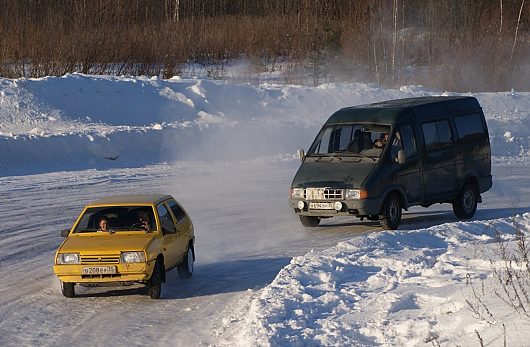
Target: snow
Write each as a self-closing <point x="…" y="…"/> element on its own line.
<point x="387" y="289"/>
<point x="77" y="121"/>
<point x="227" y="152"/>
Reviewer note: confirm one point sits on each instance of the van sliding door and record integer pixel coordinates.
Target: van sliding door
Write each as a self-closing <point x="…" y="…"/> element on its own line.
<point x="439" y="163"/>
<point x="407" y="175"/>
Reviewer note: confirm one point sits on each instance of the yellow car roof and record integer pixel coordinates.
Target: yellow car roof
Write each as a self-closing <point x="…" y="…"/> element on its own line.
<point x="141" y="199"/>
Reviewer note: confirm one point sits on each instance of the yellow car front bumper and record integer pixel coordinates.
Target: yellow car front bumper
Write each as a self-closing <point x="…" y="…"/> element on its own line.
<point x="129" y="272"/>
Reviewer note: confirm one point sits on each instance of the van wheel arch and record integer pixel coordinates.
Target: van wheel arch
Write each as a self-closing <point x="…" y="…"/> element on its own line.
<point x="400" y="194"/>
<point x="473" y="181"/>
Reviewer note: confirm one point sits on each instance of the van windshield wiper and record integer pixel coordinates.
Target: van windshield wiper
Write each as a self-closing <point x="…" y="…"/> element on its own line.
<point x="369" y="157"/>
<point x="352" y="154"/>
<point x="337" y="156"/>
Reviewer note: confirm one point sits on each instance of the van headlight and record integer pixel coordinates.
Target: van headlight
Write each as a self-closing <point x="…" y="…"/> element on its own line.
<point x="297" y="193"/>
<point x="352" y="194"/>
<point x="132" y="257"/>
<point x="68" y="258"/>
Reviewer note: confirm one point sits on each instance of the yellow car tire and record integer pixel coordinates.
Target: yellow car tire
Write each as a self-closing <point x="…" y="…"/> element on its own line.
<point x="155" y="282"/>
<point x="185" y="269"/>
<point x="68" y="289"/>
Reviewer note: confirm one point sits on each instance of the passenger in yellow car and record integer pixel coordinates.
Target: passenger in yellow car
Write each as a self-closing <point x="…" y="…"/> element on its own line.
<point x="104" y="224"/>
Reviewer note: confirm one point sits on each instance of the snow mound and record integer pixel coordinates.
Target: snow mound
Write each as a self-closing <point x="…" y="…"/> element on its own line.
<point x="80" y="121"/>
<point x="388" y="288"/>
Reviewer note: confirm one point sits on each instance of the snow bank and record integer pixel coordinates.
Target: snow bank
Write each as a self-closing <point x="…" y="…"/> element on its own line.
<point x="388" y="288"/>
<point x="79" y="121"/>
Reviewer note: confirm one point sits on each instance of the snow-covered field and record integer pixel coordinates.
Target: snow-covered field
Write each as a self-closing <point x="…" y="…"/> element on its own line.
<point x="227" y="153"/>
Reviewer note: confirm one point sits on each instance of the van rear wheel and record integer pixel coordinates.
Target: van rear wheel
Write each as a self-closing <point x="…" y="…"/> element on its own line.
<point x="391" y="213"/>
<point x="465" y="204"/>
<point x="309" y="221"/>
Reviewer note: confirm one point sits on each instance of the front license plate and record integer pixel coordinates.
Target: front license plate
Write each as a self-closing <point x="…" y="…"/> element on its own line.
<point x="99" y="270"/>
<point x="321" y="206"/>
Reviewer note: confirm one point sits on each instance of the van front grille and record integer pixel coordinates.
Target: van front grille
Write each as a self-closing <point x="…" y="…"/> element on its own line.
<point x="97" y="259"/>
<point x="333" y="194"/>
<point x="323" y="194"/>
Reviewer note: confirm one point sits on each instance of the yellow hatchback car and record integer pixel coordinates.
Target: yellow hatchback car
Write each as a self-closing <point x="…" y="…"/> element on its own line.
<point x="126" y="239"/>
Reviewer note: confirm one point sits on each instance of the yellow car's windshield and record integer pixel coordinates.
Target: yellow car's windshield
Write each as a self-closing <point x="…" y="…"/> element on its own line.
<point x="116" y="218"/>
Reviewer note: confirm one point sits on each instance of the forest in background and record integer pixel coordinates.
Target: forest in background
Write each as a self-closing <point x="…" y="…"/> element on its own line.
<point x="457" y="45"/>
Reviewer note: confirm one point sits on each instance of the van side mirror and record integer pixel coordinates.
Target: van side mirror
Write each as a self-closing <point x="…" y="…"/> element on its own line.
<point x="401" y="158"/>
<point x="301" y="154"/>
<point x="65" y="232"/>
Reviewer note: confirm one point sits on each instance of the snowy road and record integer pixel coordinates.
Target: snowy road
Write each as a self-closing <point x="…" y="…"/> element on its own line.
<point x="245" y="235"/>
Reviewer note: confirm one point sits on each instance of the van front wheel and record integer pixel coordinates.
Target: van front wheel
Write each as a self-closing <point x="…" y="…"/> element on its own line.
<point x="465" y="204"/>
<point x="391" y="214"/>
<point x="309" y="221"/>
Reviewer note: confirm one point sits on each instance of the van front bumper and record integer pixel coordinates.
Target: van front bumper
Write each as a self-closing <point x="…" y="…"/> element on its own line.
<point x="363" y="207"/>
<point x="128" y="272"/>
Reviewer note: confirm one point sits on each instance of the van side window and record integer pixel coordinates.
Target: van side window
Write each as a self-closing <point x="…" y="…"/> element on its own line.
<point x="437" y="135"/>
<point x="468" y="126"/>
<point x="408" y="140"/>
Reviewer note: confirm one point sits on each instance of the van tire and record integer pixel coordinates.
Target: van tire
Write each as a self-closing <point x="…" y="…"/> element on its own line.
<point x="309" y="221"/>
<point x="68" y="289"/>
<point x="391" y="212"/>
<point x="465" y="204"/>
<point x="185" y="269"/>
<point x="155" y="282"/>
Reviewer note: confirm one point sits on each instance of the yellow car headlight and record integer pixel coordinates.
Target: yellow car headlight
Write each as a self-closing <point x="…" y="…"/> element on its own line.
<point x="68" y="258"/>
<point x="132" y="257"/>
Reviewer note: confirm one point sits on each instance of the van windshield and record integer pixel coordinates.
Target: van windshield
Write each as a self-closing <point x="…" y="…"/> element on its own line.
<point x="351" y="139"/>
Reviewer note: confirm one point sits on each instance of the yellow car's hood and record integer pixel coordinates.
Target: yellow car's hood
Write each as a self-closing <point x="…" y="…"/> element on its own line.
<point x="106" y="242"/>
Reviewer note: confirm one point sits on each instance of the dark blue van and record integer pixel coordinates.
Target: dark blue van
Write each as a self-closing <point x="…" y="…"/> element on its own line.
<point x="372" y="161"/>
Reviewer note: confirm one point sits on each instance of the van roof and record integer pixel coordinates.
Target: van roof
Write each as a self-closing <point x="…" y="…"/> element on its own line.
<point x="401" y="110"/>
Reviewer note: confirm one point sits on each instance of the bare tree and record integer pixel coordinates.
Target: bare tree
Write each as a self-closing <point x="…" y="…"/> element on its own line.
<point x="516" y="32"/>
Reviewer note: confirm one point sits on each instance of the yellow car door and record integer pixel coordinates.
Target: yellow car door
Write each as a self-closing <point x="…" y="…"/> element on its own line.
<point x="173" y="240"/>
<point x="183" y="223"/>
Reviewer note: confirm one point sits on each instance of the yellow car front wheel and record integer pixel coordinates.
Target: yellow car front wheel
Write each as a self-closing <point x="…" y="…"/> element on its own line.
<point x="68" y="289"/>
<point x="155" y="282"/>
